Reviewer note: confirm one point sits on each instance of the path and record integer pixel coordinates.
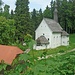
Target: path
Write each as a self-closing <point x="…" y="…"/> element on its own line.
<point x="52" y="55"/>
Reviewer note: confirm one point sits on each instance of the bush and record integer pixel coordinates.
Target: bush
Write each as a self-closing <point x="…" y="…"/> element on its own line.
<point x="61" y="51"/>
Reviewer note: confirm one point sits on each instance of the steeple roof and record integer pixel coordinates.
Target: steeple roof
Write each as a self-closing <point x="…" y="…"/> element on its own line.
<point x="56" y="13"/>
<point x="53" y="25"/>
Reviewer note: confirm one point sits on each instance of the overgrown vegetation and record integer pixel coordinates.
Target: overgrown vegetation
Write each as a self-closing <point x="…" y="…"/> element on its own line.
<point x="27" y="64"/>
<point x="18" y="28"/>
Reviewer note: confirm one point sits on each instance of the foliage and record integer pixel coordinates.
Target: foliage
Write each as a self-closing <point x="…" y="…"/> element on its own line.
<point x="40" y="15"/>
<point x="59" y="65"/>
<point x="25" y="22"/>
<point x="27" y="38"/>
<point x="6" y="11"/>
<point x="22" y="19"/>
<point x="61" y="51"/>
<point x="72" y="39"/>
<point x="25" y="64"/>
<point x="3" y="66"/>
<point x="1" y="10"/>
<point x="47" y="13"/>
<point x="29" y="41"/>
<point x="36" y="18"/>
<point x="66" y="19"/>
<point x="7" y="31"/>
<point x="12" y="14"/>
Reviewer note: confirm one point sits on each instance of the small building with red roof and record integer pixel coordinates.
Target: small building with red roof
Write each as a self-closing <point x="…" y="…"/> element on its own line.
<point x="9" y="53"/>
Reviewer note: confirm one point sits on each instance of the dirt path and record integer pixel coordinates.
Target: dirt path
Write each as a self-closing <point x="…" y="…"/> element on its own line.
<point x="52" y="55"/>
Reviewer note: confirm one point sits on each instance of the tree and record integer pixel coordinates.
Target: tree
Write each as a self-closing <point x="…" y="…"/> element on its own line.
<point x="66" y="14"/>
<point x="47" y="12"/>
<point x="12" y="14"/>
<point x="1" y="2"/>
<point x="22" y="19"/>
<point x="40" y="16"/>
<point x="34" y="18"/>
<point x="1" y="10"/>
<point x="52" y="8"/>
<point x="29" y="41"/>
<point x="73" y="15"/>
<point x="37" y="17"/>
<point x="7" y="31"/>
<point x="6" y="11"/>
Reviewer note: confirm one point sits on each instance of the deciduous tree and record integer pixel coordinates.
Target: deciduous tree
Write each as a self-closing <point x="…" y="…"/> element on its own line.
<point x="7" y="31"/>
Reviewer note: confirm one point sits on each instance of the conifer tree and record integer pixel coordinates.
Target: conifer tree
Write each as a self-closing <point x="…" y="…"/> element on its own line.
<point x="40" y="15"/>
<point x="1" y="10"/>
<point x="22" y="18"/>
<point x="6" y="11"/>
<point x="34" y="18"/>
<point x="12" y="14"/>
<point x="47" y="12"/>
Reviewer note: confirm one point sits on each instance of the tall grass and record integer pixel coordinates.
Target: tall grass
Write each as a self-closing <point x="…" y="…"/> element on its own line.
<point x="72" y="38"/>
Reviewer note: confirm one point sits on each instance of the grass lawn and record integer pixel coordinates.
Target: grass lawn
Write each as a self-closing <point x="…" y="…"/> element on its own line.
<point x="58" y="49"/>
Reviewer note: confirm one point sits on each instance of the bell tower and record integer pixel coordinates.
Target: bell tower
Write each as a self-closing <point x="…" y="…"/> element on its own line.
<point x="56" y="13"/>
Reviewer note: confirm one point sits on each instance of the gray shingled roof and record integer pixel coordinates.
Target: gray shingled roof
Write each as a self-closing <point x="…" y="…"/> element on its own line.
<point x="64" y="33"/>
<point x="42" y="40"/>
<point x="53" y="25"/>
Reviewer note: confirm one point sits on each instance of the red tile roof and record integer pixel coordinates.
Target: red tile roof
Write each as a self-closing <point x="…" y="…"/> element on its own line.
<point x="8" y="53"/>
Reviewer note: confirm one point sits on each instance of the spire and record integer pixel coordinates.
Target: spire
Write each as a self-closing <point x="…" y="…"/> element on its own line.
<point x="56" y="13"/>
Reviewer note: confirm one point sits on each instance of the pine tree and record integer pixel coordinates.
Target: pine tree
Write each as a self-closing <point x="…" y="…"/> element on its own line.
<point x="1" y="10"/>
<point x="12" y="14"/>
<point x="40" y="16"/>
<point x="6" y="11"/>
<point x="34" y="19"/>
<point x="47" y="12"/>
<point x="22" y="18"/>
<point x="52" y="8"/>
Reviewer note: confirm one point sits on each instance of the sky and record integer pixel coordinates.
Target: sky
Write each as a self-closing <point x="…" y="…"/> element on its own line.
<point x="37" y="4"/>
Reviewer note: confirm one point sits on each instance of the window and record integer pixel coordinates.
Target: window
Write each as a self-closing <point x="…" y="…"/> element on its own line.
<point x="38" y="44"/>
<point x="67" y="41"/>
<point x="63" y="42"/>
<point x="48" y="39"/>
<point x="63" y="36"/>
<point x="43" y="34"/>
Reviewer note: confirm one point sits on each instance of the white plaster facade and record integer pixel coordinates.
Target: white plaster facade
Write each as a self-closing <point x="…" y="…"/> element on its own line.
<point x="65" y="40"/>
<point x="55" y="38"/>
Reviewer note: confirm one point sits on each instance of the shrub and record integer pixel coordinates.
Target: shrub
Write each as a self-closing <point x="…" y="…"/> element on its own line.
<point x="61" y="51"/>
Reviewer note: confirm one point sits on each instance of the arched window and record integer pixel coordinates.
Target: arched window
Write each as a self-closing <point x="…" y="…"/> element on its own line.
<point x="43" y="34"/>
<point x="48" y="39"/>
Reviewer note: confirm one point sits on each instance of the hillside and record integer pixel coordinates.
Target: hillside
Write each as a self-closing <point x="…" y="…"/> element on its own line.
<point x="57" y="64"/>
